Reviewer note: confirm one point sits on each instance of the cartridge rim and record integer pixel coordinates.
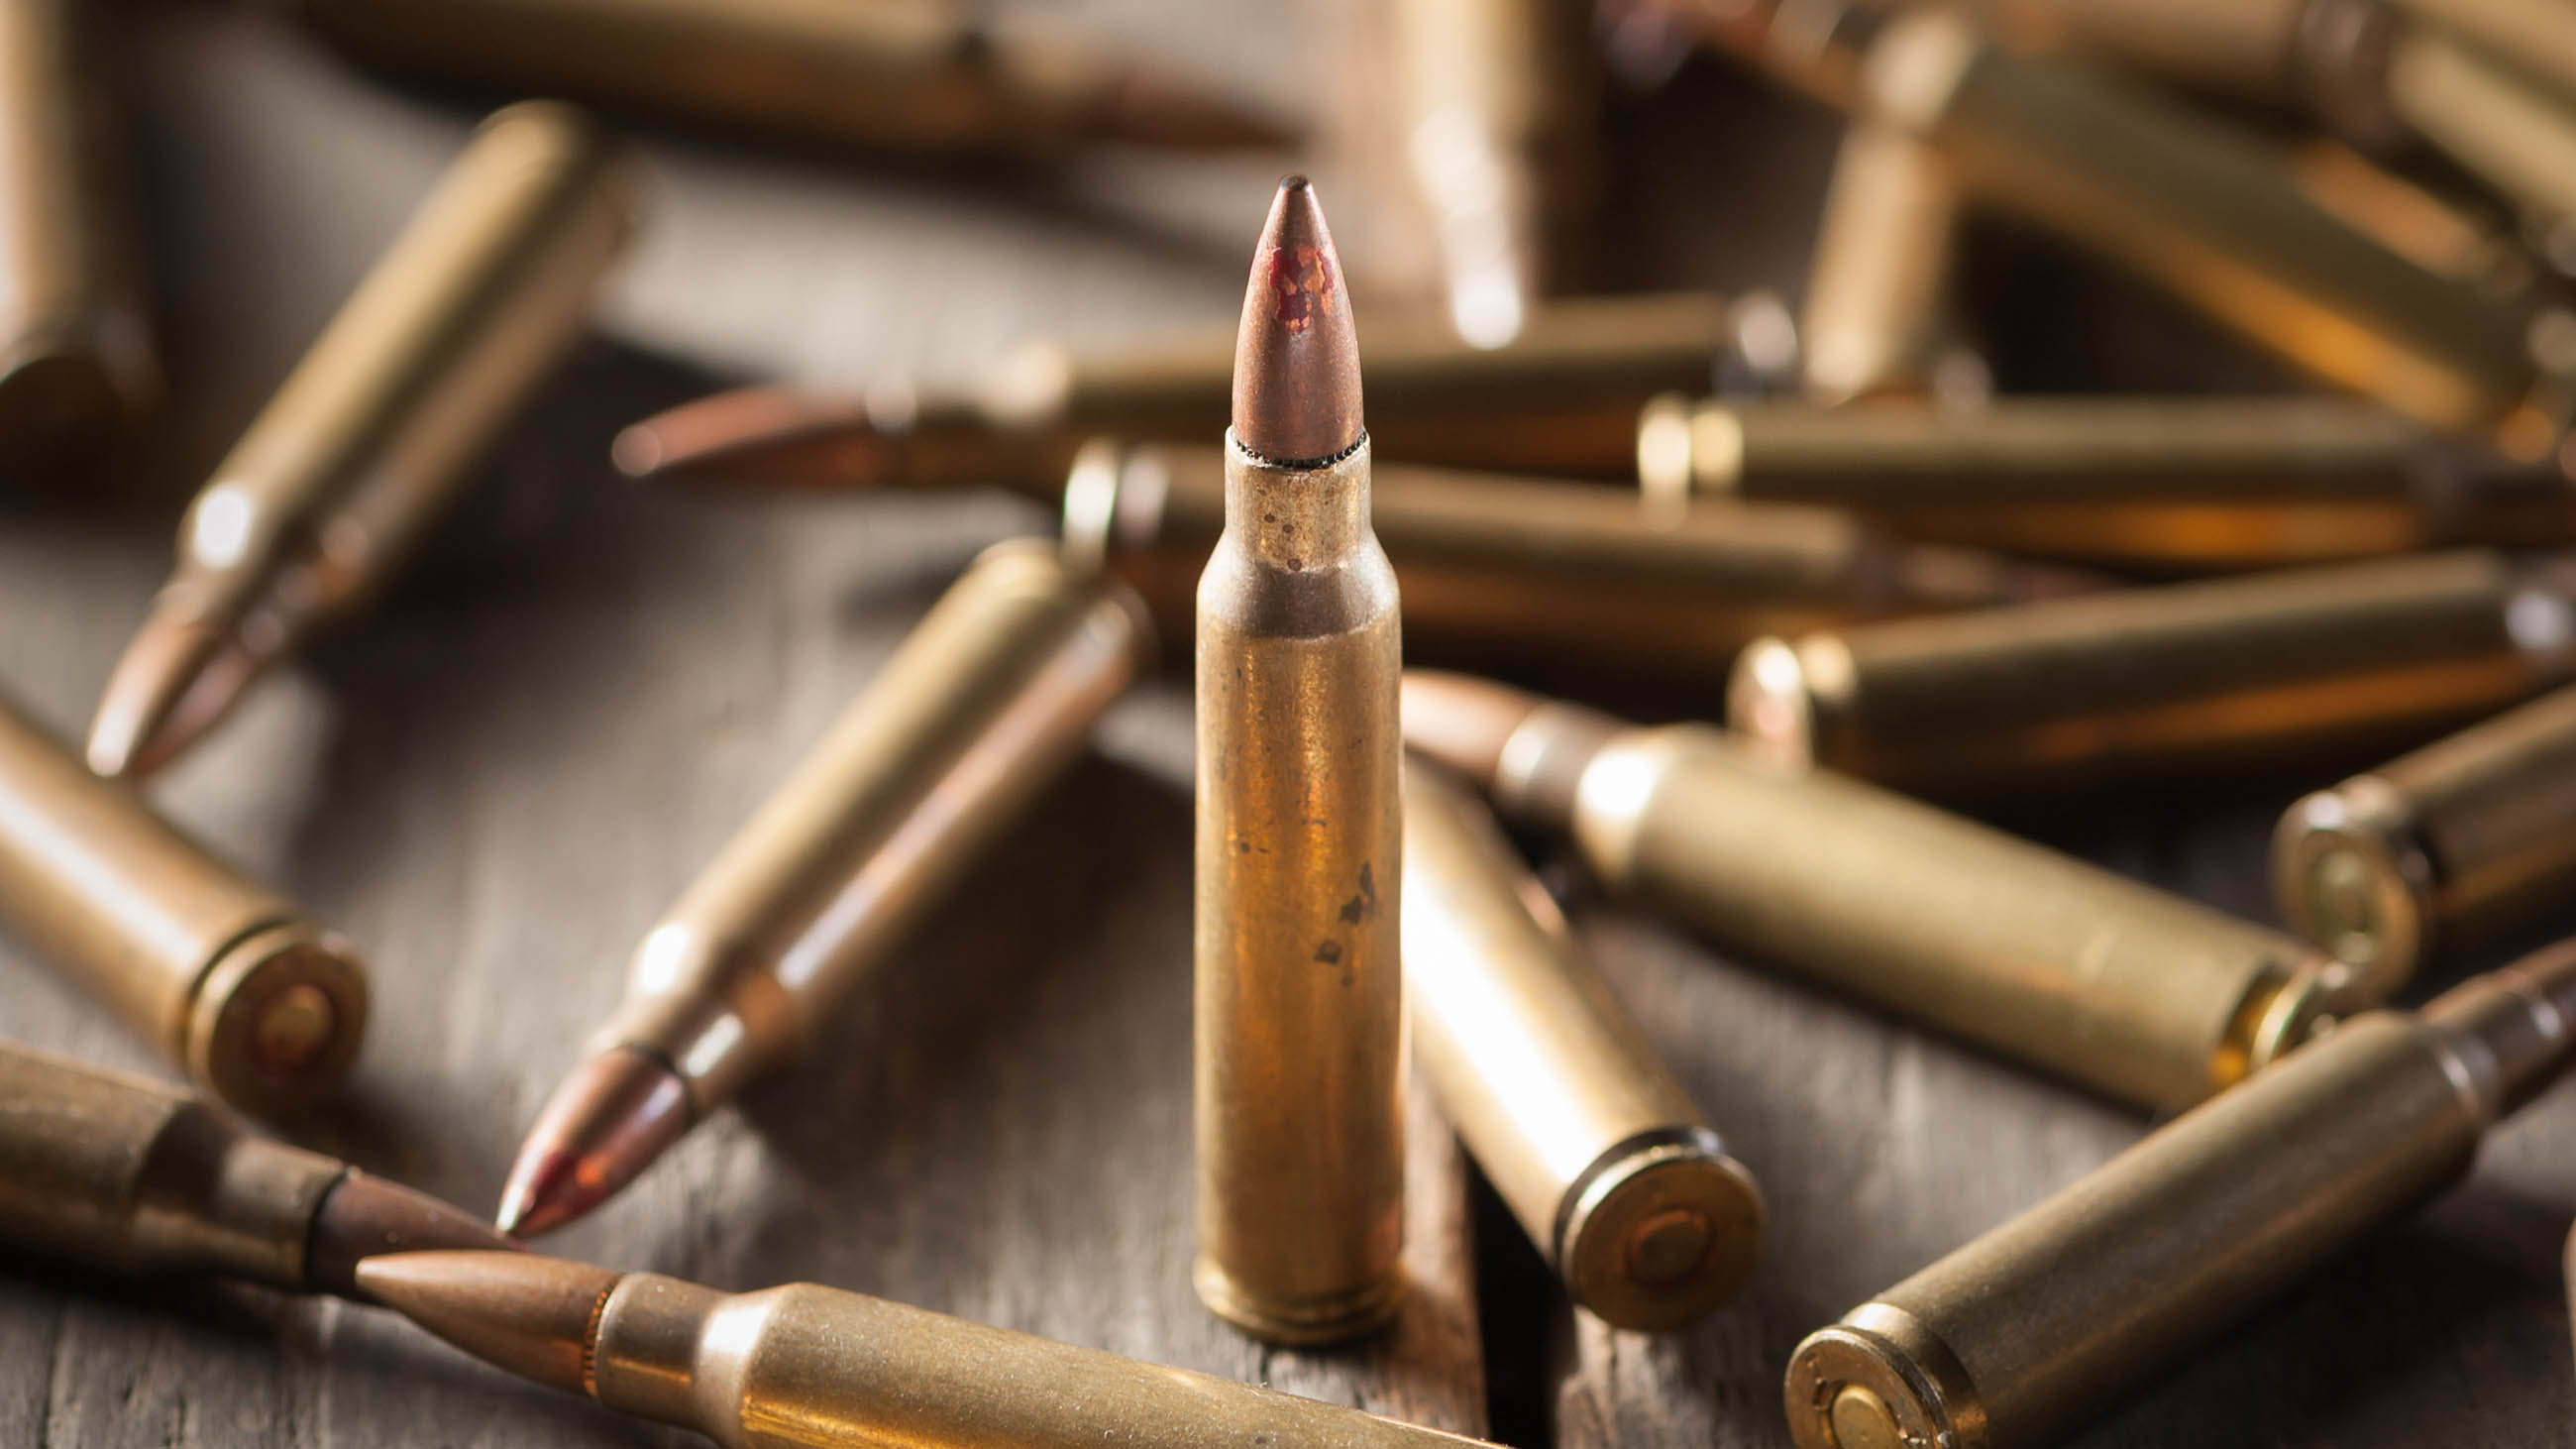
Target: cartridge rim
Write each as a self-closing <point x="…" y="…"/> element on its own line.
<point x="2351" y="876"/>
<point x="1303" y="1321"/>
<point x="1660" y="1231"/>
<point x="1906" y="1373"/>
<point x="277" y="1018"/>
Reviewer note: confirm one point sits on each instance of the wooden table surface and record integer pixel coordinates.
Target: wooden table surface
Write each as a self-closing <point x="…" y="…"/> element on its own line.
<point x="581" y="687"/>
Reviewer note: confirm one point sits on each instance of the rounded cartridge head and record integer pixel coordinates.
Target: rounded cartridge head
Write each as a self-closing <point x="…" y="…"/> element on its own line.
<point x="2351" y="876"/>
<point x="276" y="1019"/>
<point x="1881" y="1380"/>
<point x="1660" y="1231"/>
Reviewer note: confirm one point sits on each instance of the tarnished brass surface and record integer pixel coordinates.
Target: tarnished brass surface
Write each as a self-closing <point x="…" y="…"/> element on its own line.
<point x="75" y="351"/>
<point x="2207" y="213"/>
<point x="492" y="279"/>
<point x="1877" y="288"/>
<point x="2141" y="995"/>
<point x="1602" y="1158"/>
<point x="260" y="1005"/>
<point x="1505" y="569"/>
<point x="916" y="76"/>
<point x="2170" y="482"/>
<point x="993" y="693"/>
<point x="1300" y="1010"/>
<point x="2458" y="845"/>
<point x="2037" y="1326"/>
<point x="128" y="1176"/>
<point x="2280" y="667"/>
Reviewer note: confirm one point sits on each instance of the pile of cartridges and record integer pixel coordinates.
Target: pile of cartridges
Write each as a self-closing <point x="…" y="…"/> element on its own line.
<point x="1414" y="548"/>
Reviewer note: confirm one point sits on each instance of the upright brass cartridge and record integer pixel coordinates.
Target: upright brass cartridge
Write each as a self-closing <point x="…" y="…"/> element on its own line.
<point x="75" y="350"/>
<point x="2457" y="846"/>
<point x="1300" y="837"/>
<point x="913" y="77"/>
<point x="1878" y="285"/>
<point x="990" y="697"/>
<point x="372" y="432"/>
<point x="1514" y="569"/>
<point x="1616" y="1177"/>
<point x="2300" y="665"/>
<point x="2090" y="976"/>
<point x="1561" y="397"/>
<point x="805" y="1365"/>
<point x="2037" y="1326"/>
<point x="257" y="1003"/>
<point x="133" y="1178"/>
<point x="2159" y="482"/>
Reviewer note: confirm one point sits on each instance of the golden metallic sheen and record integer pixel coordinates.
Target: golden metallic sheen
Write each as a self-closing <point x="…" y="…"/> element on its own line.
<point x="1877" y="288"/>
<point x="805" y="1365"/>
<point x="2460" y="845"/>
<point x="1602" y="1158"/>
<point x="260" y="1005"/>
<point x="2164" y="682"/>
<point x="991" y="695"/>
<point x="75" y="351"/>
<point x="2101" y="980"/>
<point x="2036" y="1327"/>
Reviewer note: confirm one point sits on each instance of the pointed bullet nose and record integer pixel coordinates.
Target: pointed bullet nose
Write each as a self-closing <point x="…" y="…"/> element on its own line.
<point x="1297" y="356"/>
<point x="524" y="1313"/>
<point x="607" y="1122"/>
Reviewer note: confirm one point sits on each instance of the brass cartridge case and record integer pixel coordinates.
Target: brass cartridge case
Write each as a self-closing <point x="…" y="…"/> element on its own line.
<point x="986" y="702"/>
<point x="2504" y="125"/>
<point x="1300" y="840"/>
<point x="2167" y="482"/>
<point x="1878" y="284"/>
<point x="918" y="77"/>
<point x="75" y="348"/>
<point x="806" y="1365"/>
<point x="2537" y="36"/>
<point x="2087" y="975"/>
<point x="489" y="282"/>
<point x="2457" y="846"/>
<point x="2208" y="214"/>
<point x="1613" y="1173"/>
<point x="1507" y="569"/>
<point x="257" y="1003"/>
<point x="2299" y="665"/>
<point x="1560" y="397"/>
<point x="2040" y="1324"/>
<point x="2327" y="56"/>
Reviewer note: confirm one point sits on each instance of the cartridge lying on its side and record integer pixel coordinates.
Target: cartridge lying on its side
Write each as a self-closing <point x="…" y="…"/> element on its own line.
<point x="1600" y="1155"/>
<point x="134" y="1178"/>
<point x="2283" y="668"/>
<point x="260" y="1005"/>
<point x="2460" y="845"/>
<point x="2037" y="1326"/>
<point x="991" y="695"/>
<point x="2101" y="980"/>
<point x="805" y="1365"/>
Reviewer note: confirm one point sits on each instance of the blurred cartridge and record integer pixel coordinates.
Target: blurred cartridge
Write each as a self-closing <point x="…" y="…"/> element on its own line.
<point x="2511" y="130"/>
<point x="127" y="1176"/>
<point x="2169" y="483"/>
<point x="988" y="699"/>
<point x="75" y="350"/>
<point x="1562" y="397"/>
<point x="489" y="282"/>
<point x="914" y="77"/>
<point x="2325" y="56"/>
<point x="1877" y="287"/>
<point x="260" y="1005"/>
<point x="2095" y="978"/>
<point x="2039" y="1325"/>
<point x="2299" y="668"/>
<point x="2460" y="846"/>
<point x="1600" y="1155"/>
<point x="1513" y="569"/>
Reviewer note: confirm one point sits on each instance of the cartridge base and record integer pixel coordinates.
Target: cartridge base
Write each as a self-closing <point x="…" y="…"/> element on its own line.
<point x="276" y="1019"/>
<point x="1660" y="1231"/>
<point x="1879" y="1380"/>
<point x="1302" y="1321"/>
<point x="2352" y="877"/>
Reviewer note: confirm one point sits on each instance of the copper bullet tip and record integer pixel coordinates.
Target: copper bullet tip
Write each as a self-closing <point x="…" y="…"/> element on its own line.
<point x="605" y="1124"/>
<point x="525" y="1313"/>
<point x="1463" y="722"/>
<point x="363" y="1216"/>
<point x="1297" y="356"/>
<point x="175" y="680"/>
